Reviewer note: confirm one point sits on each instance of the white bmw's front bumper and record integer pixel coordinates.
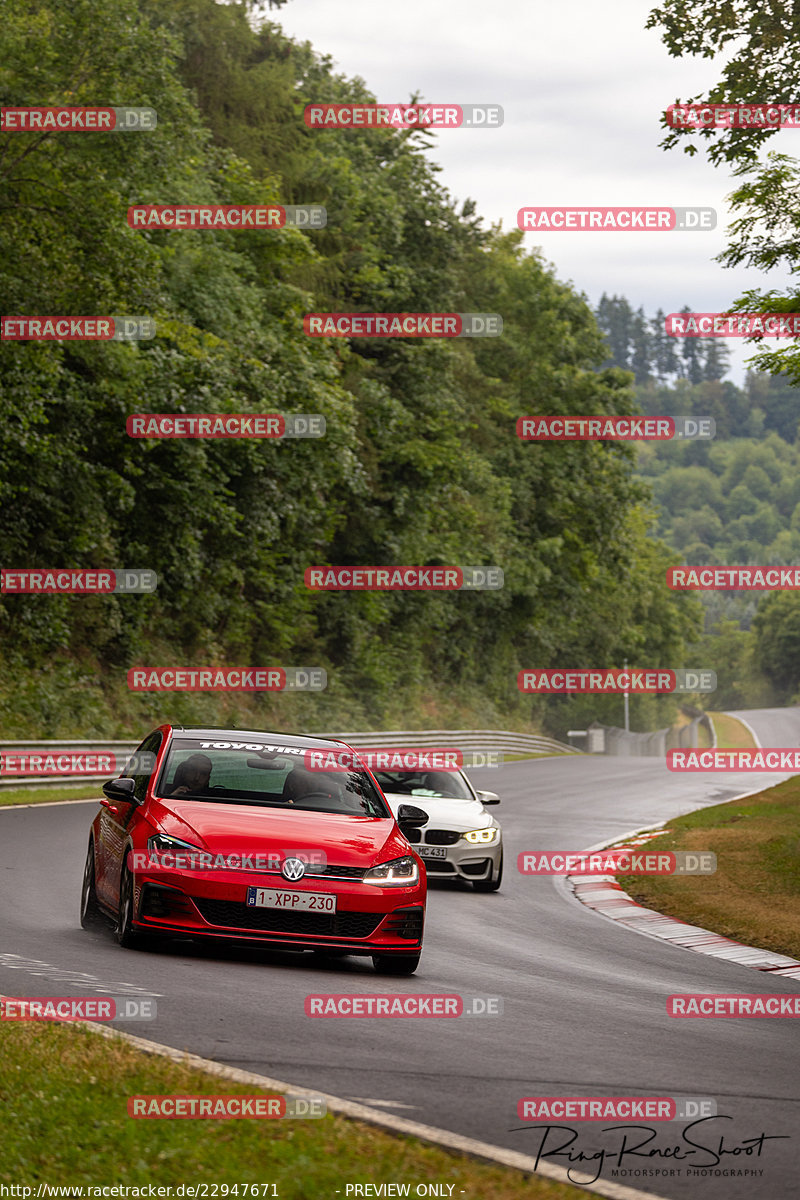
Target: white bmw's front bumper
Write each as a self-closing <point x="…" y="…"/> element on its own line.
<point x="463" y="860"/>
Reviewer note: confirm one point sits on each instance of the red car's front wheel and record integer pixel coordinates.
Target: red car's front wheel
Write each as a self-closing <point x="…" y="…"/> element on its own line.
<point x="91" y="915"/>
<point x="126" y="935"/>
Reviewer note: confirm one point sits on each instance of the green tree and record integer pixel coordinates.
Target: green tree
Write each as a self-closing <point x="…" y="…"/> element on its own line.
<point x="641" y="348"/>
<point x="664" y="355"/>
<point x="716" y="359"/>
<point x="420" y="462"/>
<point x="691" y="355"/>
<point x="616" y="319"/>
<point x="776" y="627"/>
<point x="732" y="652"/>
<point x="760" y="49"/>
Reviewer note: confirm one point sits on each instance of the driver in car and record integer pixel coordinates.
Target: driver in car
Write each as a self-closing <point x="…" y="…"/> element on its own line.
<point x="300" y="784"/>
<point x="440" y="783"/>
<point x="192" y="775"/>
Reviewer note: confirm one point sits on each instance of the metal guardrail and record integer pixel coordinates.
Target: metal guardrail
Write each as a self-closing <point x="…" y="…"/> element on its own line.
<point x="478" y="740"/>
<point x="487" y="740"/>
<point x="610" y="739"/>
<point x="114" y="751"/>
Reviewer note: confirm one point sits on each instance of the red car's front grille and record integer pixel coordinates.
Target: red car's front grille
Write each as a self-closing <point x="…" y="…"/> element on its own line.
<point x="232" y="914"/>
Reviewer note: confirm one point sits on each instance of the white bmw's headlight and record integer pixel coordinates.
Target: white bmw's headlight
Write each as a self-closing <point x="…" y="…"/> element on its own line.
<point x="400" y="872"/>
<point x="483" y="836"/>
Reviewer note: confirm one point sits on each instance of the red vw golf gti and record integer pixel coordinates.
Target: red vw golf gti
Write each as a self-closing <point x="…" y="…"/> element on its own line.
<point x="230" y="834"/>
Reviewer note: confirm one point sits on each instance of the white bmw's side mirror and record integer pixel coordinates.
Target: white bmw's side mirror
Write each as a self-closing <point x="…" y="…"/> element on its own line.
<point x="488" y="797"/>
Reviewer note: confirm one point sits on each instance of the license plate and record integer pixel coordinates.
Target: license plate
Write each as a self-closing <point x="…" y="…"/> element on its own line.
<point x="431" y="852"/>
<point x="295" y="901"/>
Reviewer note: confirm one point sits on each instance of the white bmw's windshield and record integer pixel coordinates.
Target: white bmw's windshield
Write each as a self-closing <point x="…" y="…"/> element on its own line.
<point x="442" y="784"/>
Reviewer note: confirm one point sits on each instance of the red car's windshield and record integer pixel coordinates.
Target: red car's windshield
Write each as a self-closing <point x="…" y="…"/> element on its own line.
<point x="252" y="773"/>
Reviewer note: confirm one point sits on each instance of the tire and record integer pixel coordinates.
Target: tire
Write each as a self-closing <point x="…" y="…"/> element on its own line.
<point x="90" y="912"/>
<point x="388" y="964"/>
<point x="490" y="885"/>
<point x="125" y="934"/>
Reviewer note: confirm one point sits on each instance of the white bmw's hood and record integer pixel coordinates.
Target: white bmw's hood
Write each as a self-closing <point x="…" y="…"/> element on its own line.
<point x="445" y="812"/>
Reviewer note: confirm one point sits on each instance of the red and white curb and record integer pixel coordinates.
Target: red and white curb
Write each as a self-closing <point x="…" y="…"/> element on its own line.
<point x="604" y="895"/>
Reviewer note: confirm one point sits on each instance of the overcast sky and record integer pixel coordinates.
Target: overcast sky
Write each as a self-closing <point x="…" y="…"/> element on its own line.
<point x="582" y="85"/>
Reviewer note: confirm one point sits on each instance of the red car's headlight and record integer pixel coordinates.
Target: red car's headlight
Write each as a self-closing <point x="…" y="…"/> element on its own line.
<point x="400" y="872"/>
<point x="174" y="852"/>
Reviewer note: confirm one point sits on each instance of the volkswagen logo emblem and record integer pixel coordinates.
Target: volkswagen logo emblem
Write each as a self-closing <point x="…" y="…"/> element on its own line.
<point x="293" y="868"/>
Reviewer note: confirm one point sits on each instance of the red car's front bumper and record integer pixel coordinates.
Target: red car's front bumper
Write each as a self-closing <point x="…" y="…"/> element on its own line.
<point x="368" y="919"/>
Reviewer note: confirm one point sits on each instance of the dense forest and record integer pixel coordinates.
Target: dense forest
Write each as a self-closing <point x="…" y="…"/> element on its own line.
<point x="420" y="463"/>
<point x="641" y="344"/>
<point x="735" y="499"/>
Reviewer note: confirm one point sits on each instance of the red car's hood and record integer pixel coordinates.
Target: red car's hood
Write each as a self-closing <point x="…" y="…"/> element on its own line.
<point x="347" y="841"/>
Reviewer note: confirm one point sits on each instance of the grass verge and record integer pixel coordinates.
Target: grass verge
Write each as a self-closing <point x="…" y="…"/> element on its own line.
<point x="754" y="895"/>
<point x="10" y="796"/>
<point x="731" y="733"/>
<point x="63" y="1106"/>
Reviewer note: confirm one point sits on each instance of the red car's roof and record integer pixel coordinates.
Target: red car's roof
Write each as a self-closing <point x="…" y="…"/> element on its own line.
<point x="200" y="733"/>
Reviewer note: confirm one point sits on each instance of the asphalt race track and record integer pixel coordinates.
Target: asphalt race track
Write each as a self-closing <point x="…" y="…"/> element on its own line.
<point x="774" y="726"/>
<point x="583" y="1001"/>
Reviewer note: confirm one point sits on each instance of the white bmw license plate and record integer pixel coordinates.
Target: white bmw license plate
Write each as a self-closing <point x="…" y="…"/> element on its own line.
<point x="431" y="852"/>
<point x="295" y="901"/>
